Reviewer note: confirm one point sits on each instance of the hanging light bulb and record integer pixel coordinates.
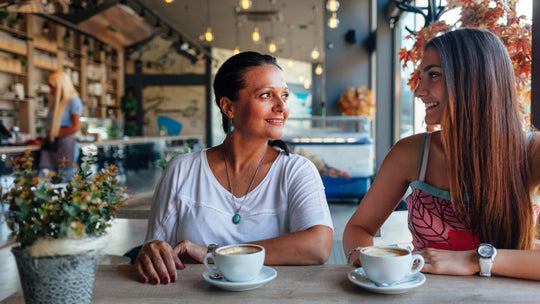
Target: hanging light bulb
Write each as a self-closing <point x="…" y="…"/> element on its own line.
<point x="245" y="4"/>
<point x="208" y="34"/>
<point x="290" y="63"/>
<point x="272" y="47"/>
<point x="307" y="84"/>
<point x="168" y="1"/>
<point x="315" y="53"/>
<point x="333" y="21"/>
<point x="236" y="50"/>
<point x="256" y="36"/>
<point x="318" y="69"/>
<point x="332" y="5"/>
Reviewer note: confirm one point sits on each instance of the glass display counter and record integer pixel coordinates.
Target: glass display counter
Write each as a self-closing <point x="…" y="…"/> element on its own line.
<point x="341" y="147"/>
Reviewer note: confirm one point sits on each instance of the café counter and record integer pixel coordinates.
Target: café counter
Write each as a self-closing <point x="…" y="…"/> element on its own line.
<point x="129" y="153"/>
<point x="302" y="284"/>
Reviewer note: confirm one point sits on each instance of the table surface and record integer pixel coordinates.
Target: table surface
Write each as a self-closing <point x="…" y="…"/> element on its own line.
<point x="302" y="284"/>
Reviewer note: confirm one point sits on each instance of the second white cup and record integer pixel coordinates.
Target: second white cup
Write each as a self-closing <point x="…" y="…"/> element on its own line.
<point x="388" y="265"/>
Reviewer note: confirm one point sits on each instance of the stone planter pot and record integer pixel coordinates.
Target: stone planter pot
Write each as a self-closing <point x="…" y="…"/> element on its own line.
<point x="57" y="279"/>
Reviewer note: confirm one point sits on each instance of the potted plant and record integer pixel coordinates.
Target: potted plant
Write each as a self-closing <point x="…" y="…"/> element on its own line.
<point x="60" y="229"/>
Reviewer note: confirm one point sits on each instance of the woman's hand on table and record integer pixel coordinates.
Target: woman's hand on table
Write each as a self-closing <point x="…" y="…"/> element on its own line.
<point x="438" y="261"/>
<point x="158" y="261"/>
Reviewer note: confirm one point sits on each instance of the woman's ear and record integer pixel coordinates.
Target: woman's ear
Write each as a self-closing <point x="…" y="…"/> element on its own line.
<point x="226" y="106"/>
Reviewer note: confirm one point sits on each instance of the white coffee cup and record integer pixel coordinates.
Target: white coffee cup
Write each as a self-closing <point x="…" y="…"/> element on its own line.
<point x="387" y="265"/>
<point x="237" y="263"/>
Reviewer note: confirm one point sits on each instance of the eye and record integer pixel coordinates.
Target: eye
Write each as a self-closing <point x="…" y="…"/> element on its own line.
<point x="285" y="96"/>
<point x="265" y="95"/>
<point x="434" y="74"/>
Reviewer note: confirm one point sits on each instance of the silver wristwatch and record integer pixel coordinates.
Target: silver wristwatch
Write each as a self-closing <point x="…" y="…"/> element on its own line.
<point x="486" y="254"/>
<point x="211" y="248"/>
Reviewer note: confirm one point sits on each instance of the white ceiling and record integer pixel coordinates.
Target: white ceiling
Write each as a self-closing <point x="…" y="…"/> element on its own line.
<point x="297" y="27"/>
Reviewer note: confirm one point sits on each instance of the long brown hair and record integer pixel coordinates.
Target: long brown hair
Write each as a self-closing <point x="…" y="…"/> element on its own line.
<point x="483" y="138"/>
<point x="65" y="91"/>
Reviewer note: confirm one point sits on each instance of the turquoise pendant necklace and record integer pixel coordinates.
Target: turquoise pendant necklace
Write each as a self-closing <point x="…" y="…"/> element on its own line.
<point x="236" y="217"/>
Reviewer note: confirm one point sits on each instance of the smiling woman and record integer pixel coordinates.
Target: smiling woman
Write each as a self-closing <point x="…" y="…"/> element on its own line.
<point x="242" y="191"/>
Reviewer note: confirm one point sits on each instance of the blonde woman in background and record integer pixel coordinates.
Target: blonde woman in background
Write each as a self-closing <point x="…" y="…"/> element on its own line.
<point x="63" y="121"/>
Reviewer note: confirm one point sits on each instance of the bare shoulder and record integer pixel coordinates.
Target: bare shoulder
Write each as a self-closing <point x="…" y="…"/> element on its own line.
<point x="404" y="156"/>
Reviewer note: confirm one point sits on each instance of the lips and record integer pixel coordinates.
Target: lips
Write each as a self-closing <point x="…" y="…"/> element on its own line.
<point x="431" y="105"/>
<point x="275" y="121"/>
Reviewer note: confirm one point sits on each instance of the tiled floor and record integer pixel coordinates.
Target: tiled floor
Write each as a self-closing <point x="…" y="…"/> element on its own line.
<point x="128" y="233"/>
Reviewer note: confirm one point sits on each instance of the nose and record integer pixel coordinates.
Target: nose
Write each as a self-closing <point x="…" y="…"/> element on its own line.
<point x="279" y="104"/>
<point x="420" y="89"/>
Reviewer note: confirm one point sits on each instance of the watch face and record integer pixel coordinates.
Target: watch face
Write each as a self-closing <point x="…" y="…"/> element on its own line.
<point x="486" y="250"/>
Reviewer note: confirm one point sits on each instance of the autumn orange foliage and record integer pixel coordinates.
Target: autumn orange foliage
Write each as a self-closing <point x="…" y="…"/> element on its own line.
<point x="357" y="102"/>
<point x="497" y="16"/>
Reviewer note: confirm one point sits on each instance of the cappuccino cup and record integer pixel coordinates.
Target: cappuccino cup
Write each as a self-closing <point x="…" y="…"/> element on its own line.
<point x="385" y="265"/>
<point x="237" y="263"/>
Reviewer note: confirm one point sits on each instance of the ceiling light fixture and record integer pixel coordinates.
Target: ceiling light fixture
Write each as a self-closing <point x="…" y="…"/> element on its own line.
<point x="332" y="5"/>
<point x="318" y="69"/>
<point x="208" y="36"/>
<point x="168" y="1"/>
<point x="333" y="21"/>
<point x="245" y="4"/>
<point x="290" y="61"/>
<point x="315" y="52"/>
<point x="237" y="38"/>
<point x="272" y="48"/>
<point x="255" y="36"/>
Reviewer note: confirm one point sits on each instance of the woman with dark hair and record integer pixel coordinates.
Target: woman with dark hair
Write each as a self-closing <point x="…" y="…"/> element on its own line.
<point x="475" y="183"/>
<point x="243" y="190"/>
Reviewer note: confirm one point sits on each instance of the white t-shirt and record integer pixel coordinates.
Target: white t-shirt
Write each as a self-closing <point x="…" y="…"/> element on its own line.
<point x="190" y="204"/>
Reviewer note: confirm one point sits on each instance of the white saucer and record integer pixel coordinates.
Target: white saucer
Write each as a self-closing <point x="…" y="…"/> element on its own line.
<point x="359" y="277"/>
<point x="266" y="275"/>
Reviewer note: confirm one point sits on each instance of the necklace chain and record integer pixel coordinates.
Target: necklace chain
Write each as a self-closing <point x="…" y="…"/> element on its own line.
<point x="236" y="217"/>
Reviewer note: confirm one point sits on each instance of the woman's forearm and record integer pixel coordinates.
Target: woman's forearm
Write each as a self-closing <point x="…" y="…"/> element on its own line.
<point x="309" y="247"/>
<point x="523" y="264"/>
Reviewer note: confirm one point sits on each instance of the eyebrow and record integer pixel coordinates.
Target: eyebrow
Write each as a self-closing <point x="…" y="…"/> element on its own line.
<point x="431" y="66"/>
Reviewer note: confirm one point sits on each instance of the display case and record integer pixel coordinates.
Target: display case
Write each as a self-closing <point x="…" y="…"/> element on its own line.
<point x="341" y="147"/>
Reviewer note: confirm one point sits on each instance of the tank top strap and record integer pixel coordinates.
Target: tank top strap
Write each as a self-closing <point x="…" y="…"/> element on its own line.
<point x="422" y="167"/>
<point x="529" y="137"/>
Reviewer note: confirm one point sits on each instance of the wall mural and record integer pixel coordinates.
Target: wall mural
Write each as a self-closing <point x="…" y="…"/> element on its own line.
<point x="175" y="110"/>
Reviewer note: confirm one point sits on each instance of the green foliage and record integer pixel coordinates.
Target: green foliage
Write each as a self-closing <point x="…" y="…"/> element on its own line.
<point x="162" y="163"/>
<point x="39" y="208"/>
<point x="129" y="105"/>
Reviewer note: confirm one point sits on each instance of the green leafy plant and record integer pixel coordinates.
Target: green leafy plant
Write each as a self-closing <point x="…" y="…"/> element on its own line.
<point x="162" y="163"/>
<point x="40" y="208"/>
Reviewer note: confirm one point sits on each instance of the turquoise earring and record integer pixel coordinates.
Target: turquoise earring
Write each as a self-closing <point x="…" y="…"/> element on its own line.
<point x="231" y="127"/>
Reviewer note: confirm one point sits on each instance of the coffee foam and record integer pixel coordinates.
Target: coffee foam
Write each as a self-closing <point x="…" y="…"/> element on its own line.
<point x="237" y="250"/>
<point x="385" y="252"/>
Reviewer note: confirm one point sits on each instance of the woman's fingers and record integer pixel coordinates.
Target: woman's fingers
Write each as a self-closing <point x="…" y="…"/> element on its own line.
<point x="156" y="264"/>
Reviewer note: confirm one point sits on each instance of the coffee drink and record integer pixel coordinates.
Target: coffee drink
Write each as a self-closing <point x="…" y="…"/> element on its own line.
<point x="237" y="263"/>
<point x="385" y="251"/>
<point x="386" y="265"/>
<point x="237" y="250"/>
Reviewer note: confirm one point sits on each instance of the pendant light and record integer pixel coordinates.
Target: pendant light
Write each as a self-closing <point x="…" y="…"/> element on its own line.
<point x="272" y="48"/>
<point x="255" y="36"/>
<point x="208" y="36"/>
<point x="168" y="1"/>
<point x="332" y="5"/>
<point x="290" y="61"/>
<point x="237" y="38"/>
<point x="315" y="52"/>
<point x="333" y="21"/>
<point x="318" y="69"/>
<point x="244" y="4"/>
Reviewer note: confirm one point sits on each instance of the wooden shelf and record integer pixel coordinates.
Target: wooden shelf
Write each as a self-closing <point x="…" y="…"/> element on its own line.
<point x="48" y="52"/>
<point x="14" y="32"/>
